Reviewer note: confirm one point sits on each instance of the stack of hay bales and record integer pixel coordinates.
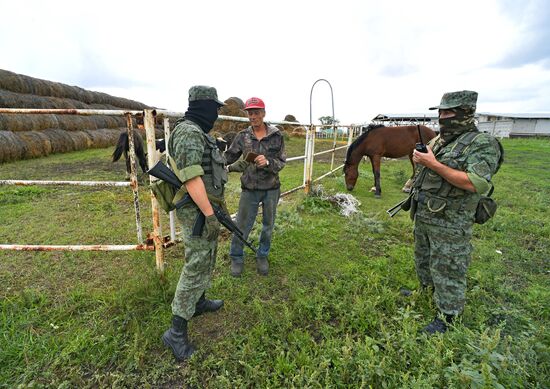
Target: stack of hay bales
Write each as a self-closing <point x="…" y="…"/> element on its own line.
<point x="25" y="136"/>
<point x="298" y="131"/>
<point x="234" y="107"/>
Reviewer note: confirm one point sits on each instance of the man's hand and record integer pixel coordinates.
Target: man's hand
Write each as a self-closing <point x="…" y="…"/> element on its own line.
<point x="425" y="159"/>
<point x="261" y="161"/>
<point x="211" y="228"/>
<point x="455" y="177"/>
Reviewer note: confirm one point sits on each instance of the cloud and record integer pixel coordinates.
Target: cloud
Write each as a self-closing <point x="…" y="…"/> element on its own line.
<point x="531" y="45"/>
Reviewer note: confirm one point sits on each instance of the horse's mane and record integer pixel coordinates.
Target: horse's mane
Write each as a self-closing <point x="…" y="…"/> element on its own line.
<point x="361" y="138"/>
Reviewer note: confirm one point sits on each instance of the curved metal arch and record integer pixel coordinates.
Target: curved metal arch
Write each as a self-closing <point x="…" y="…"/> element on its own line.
<point x="311" y="95"/>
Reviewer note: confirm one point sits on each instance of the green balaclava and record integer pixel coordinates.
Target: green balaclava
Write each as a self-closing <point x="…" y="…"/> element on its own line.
<point x="463" y="104"/>
<point x="463" y="121"/>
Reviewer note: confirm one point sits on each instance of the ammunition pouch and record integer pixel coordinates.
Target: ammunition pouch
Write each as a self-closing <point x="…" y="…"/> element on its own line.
<point x="486" y="209"/>
<point x="164" y="193"/>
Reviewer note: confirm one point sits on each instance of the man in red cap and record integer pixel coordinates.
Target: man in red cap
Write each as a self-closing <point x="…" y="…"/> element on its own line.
<point x="263" y="149"/>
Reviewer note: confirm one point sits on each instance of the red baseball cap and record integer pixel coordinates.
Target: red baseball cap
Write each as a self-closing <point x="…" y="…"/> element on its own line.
<point x="254" y="102"/>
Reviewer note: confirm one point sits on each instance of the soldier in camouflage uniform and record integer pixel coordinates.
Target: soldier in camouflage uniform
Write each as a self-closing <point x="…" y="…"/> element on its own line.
<point x="200" y="165"/>
<point x="446" y="191"/>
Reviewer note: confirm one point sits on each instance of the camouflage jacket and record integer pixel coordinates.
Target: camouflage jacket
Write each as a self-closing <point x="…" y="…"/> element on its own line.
<point x="272" y="146"/>
<point x="196" y="154"/>
<point x="440" y="203"/>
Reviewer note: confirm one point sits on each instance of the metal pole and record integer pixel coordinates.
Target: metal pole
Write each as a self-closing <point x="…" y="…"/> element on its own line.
<point x="149" y="123"/>
<point x="172" y="214"/>
<point x="133" y="176"/>
<point x="73" y="183"/>
<point x="308" y="184"/>
<point x="93" y="247"/>
<point x="333" y="148"/>
<point x="309" y="159"/>
<point x="306" y="153"/>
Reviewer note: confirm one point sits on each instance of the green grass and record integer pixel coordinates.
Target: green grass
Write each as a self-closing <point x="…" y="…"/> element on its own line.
<point x="329" y="314"/>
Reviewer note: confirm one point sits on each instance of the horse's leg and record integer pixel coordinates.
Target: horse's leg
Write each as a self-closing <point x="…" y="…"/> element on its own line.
<point x="375" y="161"/>
<point x="408" y="184"/>
<point x="128" y="167"/>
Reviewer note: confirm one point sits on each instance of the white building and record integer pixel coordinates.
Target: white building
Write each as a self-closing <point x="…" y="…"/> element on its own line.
<point x="514" y="125"/>
<point x="502" y="125"/>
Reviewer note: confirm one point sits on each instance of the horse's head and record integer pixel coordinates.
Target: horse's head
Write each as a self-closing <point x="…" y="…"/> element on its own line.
<point x="351" y="173"/>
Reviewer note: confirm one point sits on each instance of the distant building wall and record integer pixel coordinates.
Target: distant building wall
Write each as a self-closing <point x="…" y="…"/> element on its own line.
<point x="515" y="127"/>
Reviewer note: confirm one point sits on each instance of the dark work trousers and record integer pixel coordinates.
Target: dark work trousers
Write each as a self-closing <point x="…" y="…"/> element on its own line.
<point x="246" y="216"/>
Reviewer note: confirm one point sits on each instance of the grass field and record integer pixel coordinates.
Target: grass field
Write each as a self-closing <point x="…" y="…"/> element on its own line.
<point x="329" y="314"/>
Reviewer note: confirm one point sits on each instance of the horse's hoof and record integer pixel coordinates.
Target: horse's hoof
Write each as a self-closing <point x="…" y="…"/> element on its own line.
<point x="377" y="196"/>
<point x="406" y="190"/>
<point x="373" y="189"/>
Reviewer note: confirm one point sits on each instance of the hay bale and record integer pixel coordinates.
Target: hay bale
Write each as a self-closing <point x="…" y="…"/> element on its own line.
<point x="12" y="82"/>
<point x="19" y="83"/>
<point x="60" y="140"/>
<point x="103" y="137"/>
<point x="81" y="140"/>
<point x="21" y="122"/>
<point x="11" y="147"/>
<point x="37" y="144"/>
<point x="298" y="131"/>
<point x="234" y="107"/>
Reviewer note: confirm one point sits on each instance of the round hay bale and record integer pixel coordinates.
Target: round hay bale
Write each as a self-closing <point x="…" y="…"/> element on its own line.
<point x="12" y="82"/>
<point x="298" y="131"/>
<point x="81" y="140"/>
<point x="103" y="137"/>
<point x="12" y="148"/>
<point x="9" y="99"/>
<point x="37" y="144"/>
<point x="76" y="123"/>
<point x="29" y="85"/>
<point x="18" y="122"/>
<point x="234" y="107"/>
<point x="60" y="140"/>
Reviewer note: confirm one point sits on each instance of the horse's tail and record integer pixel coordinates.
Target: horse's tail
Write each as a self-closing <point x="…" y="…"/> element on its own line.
<point x="121" y="146"/>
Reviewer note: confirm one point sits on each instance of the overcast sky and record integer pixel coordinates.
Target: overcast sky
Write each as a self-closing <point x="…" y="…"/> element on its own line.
<point x="388" y="56"/>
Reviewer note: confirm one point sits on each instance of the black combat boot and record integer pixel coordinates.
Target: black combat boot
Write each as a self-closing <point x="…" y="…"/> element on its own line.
<point x="438" y="325"/>
<point x="204" y="305"/>
<point x="176" y="338"/>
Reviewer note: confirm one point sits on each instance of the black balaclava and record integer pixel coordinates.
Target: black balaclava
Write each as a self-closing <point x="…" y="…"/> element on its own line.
<point x="451" y="128"/>
<point x="203" y="112"/>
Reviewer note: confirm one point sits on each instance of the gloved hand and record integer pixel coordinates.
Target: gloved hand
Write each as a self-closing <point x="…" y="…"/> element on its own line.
<point x="238" y="166"/>
<point x="211" y="228"/>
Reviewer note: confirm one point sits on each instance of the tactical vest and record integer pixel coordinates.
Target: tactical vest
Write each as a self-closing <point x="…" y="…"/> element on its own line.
<point x="434" y="195"/>
<point x="213" y="165"/>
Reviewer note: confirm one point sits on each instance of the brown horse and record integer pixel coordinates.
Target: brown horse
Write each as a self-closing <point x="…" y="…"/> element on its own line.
<point x="380" y="141"/>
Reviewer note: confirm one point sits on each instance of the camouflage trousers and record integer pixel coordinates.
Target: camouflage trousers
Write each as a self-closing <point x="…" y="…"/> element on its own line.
<point x="442" y="256"/>
<point x="200" y="258"/>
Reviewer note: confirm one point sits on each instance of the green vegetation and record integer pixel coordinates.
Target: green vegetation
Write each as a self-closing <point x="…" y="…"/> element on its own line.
<point x="329" y="314"/>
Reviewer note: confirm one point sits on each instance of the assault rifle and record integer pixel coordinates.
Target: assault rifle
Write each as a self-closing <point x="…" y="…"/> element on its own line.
<point x="399" y="206"/>
<point x="163" y="173"/>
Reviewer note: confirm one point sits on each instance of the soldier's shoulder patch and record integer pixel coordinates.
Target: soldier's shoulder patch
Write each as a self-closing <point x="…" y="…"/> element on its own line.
<point x="482" y="169"/>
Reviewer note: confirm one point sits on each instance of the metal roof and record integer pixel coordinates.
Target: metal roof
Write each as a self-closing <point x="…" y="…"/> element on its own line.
<point x="536" y="115"/>
<point x="432" y="116"/>
<point x="406" y="116"/>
